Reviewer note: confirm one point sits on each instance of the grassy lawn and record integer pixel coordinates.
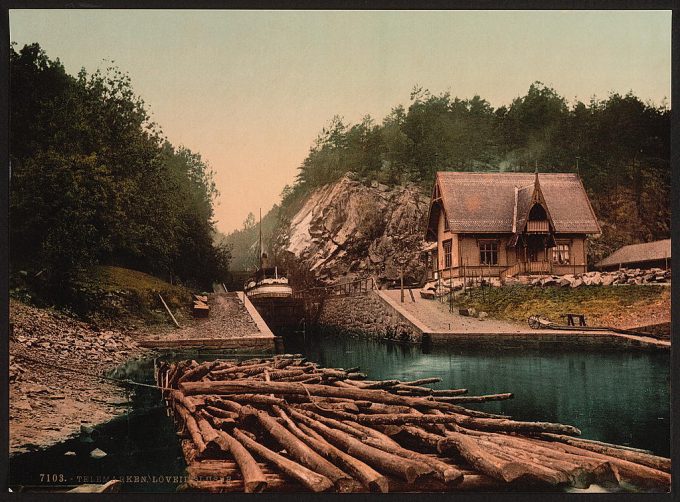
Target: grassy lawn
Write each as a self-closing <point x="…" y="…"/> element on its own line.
<point x="598" y="303"/>
<point x="140" y="291"/>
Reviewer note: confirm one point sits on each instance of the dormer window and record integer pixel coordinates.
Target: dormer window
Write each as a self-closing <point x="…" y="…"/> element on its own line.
<point x="538" y="220"/>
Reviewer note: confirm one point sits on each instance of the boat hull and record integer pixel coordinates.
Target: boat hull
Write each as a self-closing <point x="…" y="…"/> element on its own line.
<point x="265" y="291"/>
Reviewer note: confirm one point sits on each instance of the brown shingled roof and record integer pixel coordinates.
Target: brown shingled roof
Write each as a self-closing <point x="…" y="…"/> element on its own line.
<point x="485" y="202"/>
<point x="636" y="253"/>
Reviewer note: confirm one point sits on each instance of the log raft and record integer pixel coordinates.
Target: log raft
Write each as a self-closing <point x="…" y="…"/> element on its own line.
<point x="284" y="424"/>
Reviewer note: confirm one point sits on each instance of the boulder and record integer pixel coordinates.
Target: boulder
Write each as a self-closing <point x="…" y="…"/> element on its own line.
<point x="564" y="282"/>
<point x="608" y="279"/>
<point x="482" y="315"/>
<point x="576" y="283"/>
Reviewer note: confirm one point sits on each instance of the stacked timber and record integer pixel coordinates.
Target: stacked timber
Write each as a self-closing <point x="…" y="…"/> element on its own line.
<point x="201" y="307"/>
<point x="286" y="424"/>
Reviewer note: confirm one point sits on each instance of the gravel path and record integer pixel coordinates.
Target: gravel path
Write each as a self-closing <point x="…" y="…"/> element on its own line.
<point x="228" y="318"/>
<point x="436" y="316"/>
<point x="439" y="320"/>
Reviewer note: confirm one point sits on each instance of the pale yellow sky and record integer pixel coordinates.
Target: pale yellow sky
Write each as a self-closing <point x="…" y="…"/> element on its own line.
<point x="250" y="90"/>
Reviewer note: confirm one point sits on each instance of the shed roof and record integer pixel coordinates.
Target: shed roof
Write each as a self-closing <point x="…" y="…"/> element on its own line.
<point x="487" y="202"/>
<point x="636" y="253"/>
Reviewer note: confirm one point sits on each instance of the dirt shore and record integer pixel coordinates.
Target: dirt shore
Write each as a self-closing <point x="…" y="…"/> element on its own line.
<point x="48" y="404"/>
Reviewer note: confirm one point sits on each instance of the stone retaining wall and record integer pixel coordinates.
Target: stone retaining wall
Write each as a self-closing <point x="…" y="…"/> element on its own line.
<point x="369" y="315"/>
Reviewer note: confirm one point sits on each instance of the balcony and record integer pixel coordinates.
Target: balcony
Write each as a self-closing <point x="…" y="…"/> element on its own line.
<point x="538" y="227"/>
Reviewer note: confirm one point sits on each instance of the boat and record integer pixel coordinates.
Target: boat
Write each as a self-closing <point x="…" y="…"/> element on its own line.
<point x="267" y="282"/>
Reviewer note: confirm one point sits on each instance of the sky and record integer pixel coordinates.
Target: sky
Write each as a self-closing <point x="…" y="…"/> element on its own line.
<point x="251" y="90"/>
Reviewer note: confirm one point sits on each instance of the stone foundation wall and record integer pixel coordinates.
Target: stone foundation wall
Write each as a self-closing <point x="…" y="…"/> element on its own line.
<point x="368" y="315"/>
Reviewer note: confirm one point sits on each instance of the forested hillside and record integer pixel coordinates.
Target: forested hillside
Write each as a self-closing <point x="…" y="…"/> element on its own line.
<point x="94" y="180"/>
<point x="244" y="243"/>
<point x="620" y="146"/>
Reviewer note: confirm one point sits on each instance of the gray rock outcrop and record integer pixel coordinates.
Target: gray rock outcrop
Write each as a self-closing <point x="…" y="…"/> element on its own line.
<point x="350" y="229"/>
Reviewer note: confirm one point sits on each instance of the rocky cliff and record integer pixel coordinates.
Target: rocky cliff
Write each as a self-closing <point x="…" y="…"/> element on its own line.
<point x="353" y="228"/>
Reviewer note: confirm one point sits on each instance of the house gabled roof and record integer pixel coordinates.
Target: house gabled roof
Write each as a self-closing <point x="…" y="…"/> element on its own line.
<point x="637" y="253"/>
<point x="490" y="203"/>
<point x="522" y="206"/>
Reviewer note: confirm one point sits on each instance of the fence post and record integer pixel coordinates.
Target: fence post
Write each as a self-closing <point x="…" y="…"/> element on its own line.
<point x="401" y="279"/>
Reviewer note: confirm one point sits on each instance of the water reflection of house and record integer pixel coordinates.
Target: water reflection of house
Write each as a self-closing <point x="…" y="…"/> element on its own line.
<point x="507" y="224"/>
<point x="644" y="255"/>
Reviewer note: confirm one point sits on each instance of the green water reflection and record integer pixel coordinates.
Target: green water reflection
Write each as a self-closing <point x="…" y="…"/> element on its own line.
<point x="621" y="397"/>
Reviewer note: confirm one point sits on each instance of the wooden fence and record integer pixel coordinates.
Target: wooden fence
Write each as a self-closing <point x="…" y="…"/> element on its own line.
<point x="350" y="288"/>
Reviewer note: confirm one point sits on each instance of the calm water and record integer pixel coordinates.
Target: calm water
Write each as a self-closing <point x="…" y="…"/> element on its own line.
<point x="619" y="397"/>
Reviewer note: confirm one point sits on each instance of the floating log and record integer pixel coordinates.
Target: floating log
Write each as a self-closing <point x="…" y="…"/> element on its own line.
<point x="198" y="372"/>
<point x="310" y="479"/>
<point x="425" y="438"/>
<point x="188" y="403"/>
<point x="284" y="374"/>
<point x="220" y="413"/>
<point x="423" y="381"/>
<point x="366" y="435"/>
<point x="635" y="474"/>
<point x="299" y="451"/>
<point x="638" y="457"/>
<point x="255" y="399"/>
<point x="370" y="478"/>
<point x="191" y="426"/>
<point x="480" y="458"/>
<point x="286" y="388"/>
<point x="583" y="470"/>
<point x="474" y="399"/>
<point x="372" y="433"/>
<point x="448" y="393"/>
<point x="253" y="478"/>
<point x="407" y="470"/>
<point x="445" y="472"/>
<point x="223" y="403"/>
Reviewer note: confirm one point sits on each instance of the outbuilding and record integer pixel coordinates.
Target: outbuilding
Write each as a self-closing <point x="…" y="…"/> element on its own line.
<point x="655" y="254"/>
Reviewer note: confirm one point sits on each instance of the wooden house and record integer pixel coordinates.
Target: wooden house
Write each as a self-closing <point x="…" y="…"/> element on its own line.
<point x="644" y="255"/>
<point x="508" y="224"/>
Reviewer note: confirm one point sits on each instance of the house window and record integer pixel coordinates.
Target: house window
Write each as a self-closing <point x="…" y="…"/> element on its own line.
<point x="560" y="254"/>
<point x="488" y="253"/>
<point x="447" y="253"/>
